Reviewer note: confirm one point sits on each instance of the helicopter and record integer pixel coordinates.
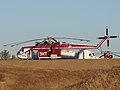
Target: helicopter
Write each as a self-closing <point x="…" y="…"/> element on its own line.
<point x="52" y="48"/>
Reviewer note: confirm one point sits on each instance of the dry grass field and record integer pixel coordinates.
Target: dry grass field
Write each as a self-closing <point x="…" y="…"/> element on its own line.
<point x="60" y="74"/>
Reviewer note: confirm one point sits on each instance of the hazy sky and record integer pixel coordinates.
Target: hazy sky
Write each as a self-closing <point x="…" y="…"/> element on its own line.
<point x="22" y="20"/>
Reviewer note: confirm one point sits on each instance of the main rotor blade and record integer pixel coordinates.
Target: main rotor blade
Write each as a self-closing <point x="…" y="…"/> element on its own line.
<point x="116" y="55"/>
<point x="116" y="52"/>
<point x="18" y="43"/>
<point x="101" y="56"/>
<point x="72" y="39"/>
<point x="8" y="44"/>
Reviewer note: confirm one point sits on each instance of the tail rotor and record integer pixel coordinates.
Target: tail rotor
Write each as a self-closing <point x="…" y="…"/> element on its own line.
<point x="108" y="37"/>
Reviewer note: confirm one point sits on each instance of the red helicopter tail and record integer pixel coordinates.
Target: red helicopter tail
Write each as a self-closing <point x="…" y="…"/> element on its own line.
<point x="104" y="39"/>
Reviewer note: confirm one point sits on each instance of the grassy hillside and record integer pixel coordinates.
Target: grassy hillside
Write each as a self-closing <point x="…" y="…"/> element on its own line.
<point x="60" y="75"/>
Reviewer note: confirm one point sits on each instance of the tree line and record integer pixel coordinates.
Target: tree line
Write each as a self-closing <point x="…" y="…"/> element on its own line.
<point x="5" y="55"/>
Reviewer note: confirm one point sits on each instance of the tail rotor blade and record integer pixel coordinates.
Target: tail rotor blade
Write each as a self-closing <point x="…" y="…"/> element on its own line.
<point x="107" y="31"/>
<point x="100" y="37"/>
<point x="113" y="37"/>
<point x="107" y="43"/>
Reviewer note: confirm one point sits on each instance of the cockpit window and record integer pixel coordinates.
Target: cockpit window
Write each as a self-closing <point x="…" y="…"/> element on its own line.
<point x="45" y="42"/>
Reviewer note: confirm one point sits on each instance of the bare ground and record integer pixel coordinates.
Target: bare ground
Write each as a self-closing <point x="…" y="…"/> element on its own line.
<point x="60" y="75"/>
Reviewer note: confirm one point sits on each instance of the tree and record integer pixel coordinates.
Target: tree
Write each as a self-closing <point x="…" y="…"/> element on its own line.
<point x="4" y="55"/>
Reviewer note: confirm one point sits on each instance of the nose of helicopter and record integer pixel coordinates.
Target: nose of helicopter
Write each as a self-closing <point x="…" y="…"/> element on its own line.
<point x="18" y="54"/>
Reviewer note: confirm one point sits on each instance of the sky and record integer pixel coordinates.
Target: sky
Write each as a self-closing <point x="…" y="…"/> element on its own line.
<point x="22" y="20"/>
